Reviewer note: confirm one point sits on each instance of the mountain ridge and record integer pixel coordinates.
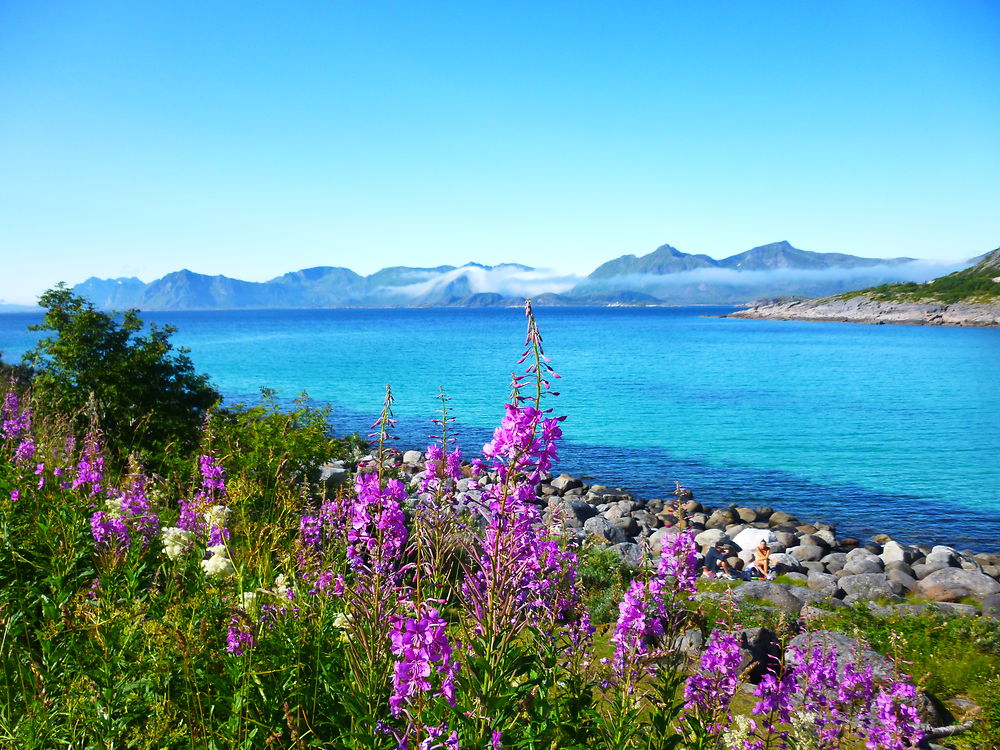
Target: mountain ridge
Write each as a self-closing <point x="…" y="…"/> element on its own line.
<point x="664" y="276"/>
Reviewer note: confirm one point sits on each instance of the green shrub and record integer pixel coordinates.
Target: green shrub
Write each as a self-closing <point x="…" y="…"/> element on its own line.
<point x="144" y="393"/>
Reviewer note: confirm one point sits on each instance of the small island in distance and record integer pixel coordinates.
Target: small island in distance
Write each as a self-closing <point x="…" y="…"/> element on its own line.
<point x="666" y="276"/>
<point x="970" y="297"/>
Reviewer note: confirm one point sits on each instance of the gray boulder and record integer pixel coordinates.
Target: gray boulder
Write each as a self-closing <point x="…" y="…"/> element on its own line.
<point x="631" y="554"/>
<point x="413" y="457"/>
<point x="711" y="537"/>
<point x="574" y="511"/>
<point x="565" y="482"/>
<point x="721" y="518"/>
<point x="602" y="527"/>
<point x="907" y="582"/>
<point x="863" y="565"/>
<point x="835" y="561"/>
<point x="894" y="552"/>
<point x="951" y="584"/>
<point x="815" y="540"/>
<point x="334" y="474"/>
<point x="824" y="583"/>
<point x="866" y="586"/>
<point x="806" y="552"/>
<point x="770" y="592"/>
<point x="781" y="518"/>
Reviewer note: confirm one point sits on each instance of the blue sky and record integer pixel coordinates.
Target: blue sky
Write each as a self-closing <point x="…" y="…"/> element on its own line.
<point x="251" y="139"/>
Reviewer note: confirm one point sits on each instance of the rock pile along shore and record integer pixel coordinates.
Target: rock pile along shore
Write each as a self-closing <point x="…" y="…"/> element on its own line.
<point x="863" y="309"/>
<point x="822" y="566"/>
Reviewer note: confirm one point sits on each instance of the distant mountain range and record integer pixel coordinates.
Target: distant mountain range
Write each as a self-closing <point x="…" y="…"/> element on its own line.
<point x="664" y="276"/>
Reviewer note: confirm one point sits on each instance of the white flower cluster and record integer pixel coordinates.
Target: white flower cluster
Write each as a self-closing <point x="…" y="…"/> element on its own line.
<point x="281" y="586"/>
<point x="216" y="516"/>
<point x="176" y="542"/>
<point x="218" y="565"/>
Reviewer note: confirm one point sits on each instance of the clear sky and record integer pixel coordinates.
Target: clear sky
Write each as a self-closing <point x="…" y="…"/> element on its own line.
<point x="250" y="139"/>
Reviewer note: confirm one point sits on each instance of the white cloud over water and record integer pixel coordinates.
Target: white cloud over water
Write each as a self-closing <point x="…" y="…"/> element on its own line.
<point x="506" y="280"/>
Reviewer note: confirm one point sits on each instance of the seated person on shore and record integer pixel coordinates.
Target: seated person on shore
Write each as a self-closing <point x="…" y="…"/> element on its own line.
<point x="716" y="565"/>
<point x="762" y="560"/>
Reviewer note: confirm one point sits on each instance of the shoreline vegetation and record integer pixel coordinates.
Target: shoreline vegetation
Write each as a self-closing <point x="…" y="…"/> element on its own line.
<point x="965" y="298"/>
<point x="271" y="585"/>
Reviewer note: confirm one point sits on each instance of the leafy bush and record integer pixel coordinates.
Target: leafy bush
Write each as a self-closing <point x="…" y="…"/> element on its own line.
<point x="144" y="393"/>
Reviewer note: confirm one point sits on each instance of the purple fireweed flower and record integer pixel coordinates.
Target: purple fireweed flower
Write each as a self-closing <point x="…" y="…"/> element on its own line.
<point x="711" y="688"/>
<point x="423" y="649"/>
<point x="206" y="512"/>
<point x="239" y="637"/>
<point x="375" y="523"/>
<point x="25" y="451"/>
<point x="897" y="725"/>
<point x="650" y="609"/>
<point x="90" y="466"/>
<point x="127" y="517"/>
<point x="14" y="422"/>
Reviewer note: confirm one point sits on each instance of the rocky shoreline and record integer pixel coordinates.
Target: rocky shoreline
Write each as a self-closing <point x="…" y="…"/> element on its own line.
<point x="817" y="564"/>
<point x="865" y="309"/>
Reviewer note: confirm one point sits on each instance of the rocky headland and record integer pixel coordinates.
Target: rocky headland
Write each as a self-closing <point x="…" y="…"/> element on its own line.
<point x="866" y="309"/>
<point x="970" y="297"/>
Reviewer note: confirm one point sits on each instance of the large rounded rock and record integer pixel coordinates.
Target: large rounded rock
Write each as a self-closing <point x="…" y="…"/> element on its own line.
<point x="786" y="539"/>
<point x="770" y="592"/>
<point x="782" y="562"/>
<point x="907" y="582"/>
<point x="824" y="583"/>
<point x="863" y="565"/>
<point x="721" y="518"/>
<point x="894" y="552"/>
<point x="781" y="518"/>
<point x="572" y="511"/>
<point x="413" y="457"/>
<point x="631" y="554"/>
<point x="602" y="527"/>
<point x="835" y="561"/>
<point x="746" y="515"/>
<point x="711" y="537"/>
<point x="902" y="567"/>
<point x="827" y="534"/>
<point x="866" y="586"/>
<point x="952" y="584"/>
<point x="814" y="540"/>
<point x="565" y="482"/>
<point x="806" y="552"/>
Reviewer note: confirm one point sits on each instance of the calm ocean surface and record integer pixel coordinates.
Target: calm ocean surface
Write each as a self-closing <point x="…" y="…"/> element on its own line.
<point x="875" y="428"/>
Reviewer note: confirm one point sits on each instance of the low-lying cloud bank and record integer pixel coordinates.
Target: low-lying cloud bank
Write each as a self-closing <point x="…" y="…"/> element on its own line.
<point x="516" y="281"/>
<point x="507" y="281"/>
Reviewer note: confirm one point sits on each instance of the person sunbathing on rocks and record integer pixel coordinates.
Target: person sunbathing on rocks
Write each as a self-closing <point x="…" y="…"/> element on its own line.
<point x="762" y="560"/>
<point x="716" y="566"/>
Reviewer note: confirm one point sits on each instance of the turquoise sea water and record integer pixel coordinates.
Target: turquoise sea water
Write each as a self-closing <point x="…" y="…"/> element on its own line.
<point x="876" y="428"/>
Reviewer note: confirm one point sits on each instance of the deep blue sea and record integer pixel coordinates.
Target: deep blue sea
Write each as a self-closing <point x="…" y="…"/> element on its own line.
<point x="877" y="428"/>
